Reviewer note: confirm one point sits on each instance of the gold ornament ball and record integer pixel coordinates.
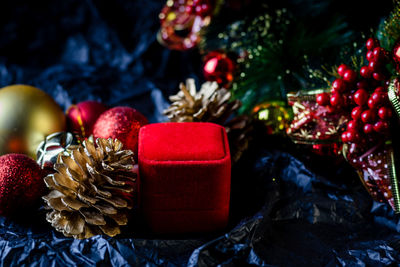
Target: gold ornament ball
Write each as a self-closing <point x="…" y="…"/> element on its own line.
<point x="27" y="116"/>
<point x="274" y="115"/>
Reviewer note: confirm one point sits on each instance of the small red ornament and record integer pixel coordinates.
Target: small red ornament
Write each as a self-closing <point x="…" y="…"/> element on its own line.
<point x="349" y="75"/>
<point x="82" y="117"/>
<point x="336" y="100"/>
<point x="21" y="183"/>
<point x="339" y="85"/>
<point x="360" y="97"/>
<point x="218" y="67"/>
<point x="372" y="43"/>
<point x="396" y="56"/>
<point x="341" y="69"/>
<point x="323" y="99"/>
<point x="365" y="72"/>
<point x="122" y="123"/>
<point x="356" y="113"/>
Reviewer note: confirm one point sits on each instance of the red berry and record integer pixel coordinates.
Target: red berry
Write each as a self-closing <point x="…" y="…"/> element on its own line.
<point x="365" y="72"/>
<point x="371" y="103"/>
<point x="368" y="128"/>
<point x="380" y="89"/>
<point x="349" y="76"/>
<point x="356" y="113"/>
<point x="341" y="69"/>
<point x="374" y="66"/>
<point x="378" y="98"/>
<point x="353" y="125"/>
<point x="370" y="56"/>
<point x="368" y="116"/>
<point x="360" y="97"/>
<point x="378" y="53"/>
<point x="381" y="126"/>
<point x="372" y="43"/>
<point x="353" y="136"/>
<point x="339" y="85"/>
<point x="379" y="76"/>
<point x="323" y="99"/>
<point x="385" y="113"/>
<point x="336" y="100"/>
<point x="344" y="137"/>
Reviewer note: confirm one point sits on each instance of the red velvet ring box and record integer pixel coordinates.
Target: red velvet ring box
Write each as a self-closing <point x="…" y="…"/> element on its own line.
<point x="185" y="176"/>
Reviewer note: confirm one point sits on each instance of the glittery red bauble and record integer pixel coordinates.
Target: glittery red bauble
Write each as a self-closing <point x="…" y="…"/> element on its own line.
<point x="122" y="123"/>
<point x="218" y="67"/>
<point x="21" y="183"/>
<point x="82" y="117"/>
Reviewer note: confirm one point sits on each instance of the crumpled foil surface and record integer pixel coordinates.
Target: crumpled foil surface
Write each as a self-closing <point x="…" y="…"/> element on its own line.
<point x="288" y="208"/>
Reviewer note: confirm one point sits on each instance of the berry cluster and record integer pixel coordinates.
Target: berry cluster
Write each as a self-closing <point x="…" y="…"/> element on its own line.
<point x="198" y="7"/>
<point x="365" y="96"/>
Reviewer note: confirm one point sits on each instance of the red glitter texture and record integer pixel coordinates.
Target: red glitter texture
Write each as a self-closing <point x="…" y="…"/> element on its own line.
<point x="21" y="183"/>
<point x="122" y="123"/>
<point x="82" y="117"/>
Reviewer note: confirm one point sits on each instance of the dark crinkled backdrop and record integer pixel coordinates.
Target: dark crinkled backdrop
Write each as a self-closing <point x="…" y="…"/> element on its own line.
<point x="283" y="212"/>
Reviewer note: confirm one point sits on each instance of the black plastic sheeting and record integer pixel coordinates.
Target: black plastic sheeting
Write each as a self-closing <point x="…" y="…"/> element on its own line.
<point x="283" y="212"/>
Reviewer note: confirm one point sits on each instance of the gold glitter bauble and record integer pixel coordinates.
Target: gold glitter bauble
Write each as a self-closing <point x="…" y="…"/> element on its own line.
<point x="27" y="116"/>
<point x="274" y="115"/>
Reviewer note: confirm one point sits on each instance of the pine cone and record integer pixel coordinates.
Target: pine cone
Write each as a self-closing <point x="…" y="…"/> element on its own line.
<point x="210" y="104"/>
<point x="239" y="134"/>
<point x="92" y="189"/>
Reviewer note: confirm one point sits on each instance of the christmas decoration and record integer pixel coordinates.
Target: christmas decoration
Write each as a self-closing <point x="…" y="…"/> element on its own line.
<point x="210" y="104"/>
<point x="273" y="49"/>
<point x="82" y="117"/>
<point x="218" y="67"/>
<point x="54" y="144"/>
<point x="122" y="123"/>
<point x="27" y="116"/>
<point x="312" y="123"/>
<point x="185" y="173"/>
<point x="182" y="21"/>
<point x="274" y="115"/>
<point x="239" y="131"/>
<point x="93" y="189"/>
<point x="21" y="183"/>
<point x="368" y="101"/>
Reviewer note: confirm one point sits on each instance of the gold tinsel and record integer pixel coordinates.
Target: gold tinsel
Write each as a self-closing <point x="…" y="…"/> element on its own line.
<point x="91" y="191"/>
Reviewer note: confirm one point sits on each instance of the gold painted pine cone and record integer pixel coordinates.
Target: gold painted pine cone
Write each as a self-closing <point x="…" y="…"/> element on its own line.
<point x="92" y="190"/>
<point x="210" y="104"/>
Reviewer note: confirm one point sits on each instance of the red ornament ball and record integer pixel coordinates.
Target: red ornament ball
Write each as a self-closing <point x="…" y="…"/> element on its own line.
<point x="396" y="56"/>
<point x="122" y="123"/>
<point x="82" y="117"/>
<point x="21" y="183"/>
<point x="218" y="67"/>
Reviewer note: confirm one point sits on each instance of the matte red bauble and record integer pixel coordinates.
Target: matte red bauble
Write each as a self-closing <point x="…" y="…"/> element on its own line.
<point x="82" y="117"/>
<point x="219" y="67"/>
<point x="122" y="123"/>
<point x="21" y="183"/>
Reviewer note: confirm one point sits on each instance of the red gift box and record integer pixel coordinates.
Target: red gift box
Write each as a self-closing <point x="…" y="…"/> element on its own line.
<point x="185" y="175"/>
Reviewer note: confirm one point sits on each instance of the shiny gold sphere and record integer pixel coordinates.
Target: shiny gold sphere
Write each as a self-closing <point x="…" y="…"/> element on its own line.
<point x="27" y="116"/>
<point x="274" y="115"/>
